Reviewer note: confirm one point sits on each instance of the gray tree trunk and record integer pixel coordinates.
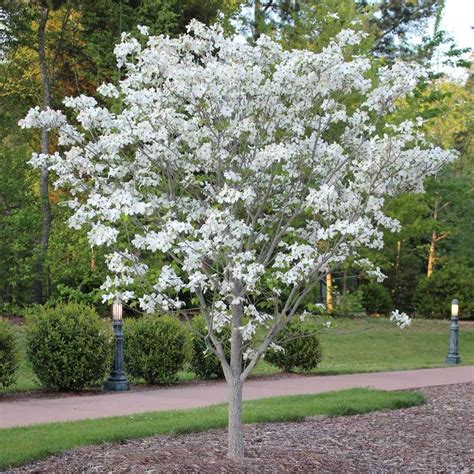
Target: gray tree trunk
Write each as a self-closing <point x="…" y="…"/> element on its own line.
<point x="234" y="382"/>
<point x="44" y="178"/>
<point x="235" y="426"/>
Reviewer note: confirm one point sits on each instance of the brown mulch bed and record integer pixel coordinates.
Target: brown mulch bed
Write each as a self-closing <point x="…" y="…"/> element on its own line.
<point x="436" y="437"/>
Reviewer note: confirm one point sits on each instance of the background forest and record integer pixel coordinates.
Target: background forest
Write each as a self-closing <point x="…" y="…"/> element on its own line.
<point x="54" y="48"/>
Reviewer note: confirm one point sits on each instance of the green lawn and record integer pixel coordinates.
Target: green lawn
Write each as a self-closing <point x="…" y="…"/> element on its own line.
<point x="375" y="345"/>
<point x="351" y="345"/>
<point x="21" y="445"/>
<point x="378" y="345"/>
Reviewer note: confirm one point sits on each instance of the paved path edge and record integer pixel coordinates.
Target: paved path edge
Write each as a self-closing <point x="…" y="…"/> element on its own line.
<point x="46" y="410"/>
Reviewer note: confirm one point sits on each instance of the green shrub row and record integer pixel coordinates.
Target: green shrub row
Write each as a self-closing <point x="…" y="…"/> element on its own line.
<point x="71" y="348"/>
<point x="157" y="348"/>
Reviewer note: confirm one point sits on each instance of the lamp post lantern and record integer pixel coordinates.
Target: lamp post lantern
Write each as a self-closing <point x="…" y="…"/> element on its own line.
<point x="117" y="381"/>
<point x="453" y="351"/>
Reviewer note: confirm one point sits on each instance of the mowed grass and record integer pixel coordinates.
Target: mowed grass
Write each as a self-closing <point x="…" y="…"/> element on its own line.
<point x="377" y="345"/>
<point x="21" y="445"/>
<point x="350" y="346"/>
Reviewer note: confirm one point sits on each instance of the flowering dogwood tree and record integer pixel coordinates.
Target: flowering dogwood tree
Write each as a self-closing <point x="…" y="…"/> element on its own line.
<point x="245" y="169"/>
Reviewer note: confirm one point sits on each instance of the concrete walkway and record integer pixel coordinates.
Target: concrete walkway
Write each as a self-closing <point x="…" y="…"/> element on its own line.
<point x="44" y="410"/>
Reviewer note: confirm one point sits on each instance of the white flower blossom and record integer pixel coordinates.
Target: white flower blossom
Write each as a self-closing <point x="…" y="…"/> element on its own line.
<point x="143" y="30"/>
<point x="402" y="320"/>
<point x="275" y="347"/>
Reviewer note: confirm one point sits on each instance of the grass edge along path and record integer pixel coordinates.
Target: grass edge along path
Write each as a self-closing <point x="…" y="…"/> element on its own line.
<point x="25" y="444"/>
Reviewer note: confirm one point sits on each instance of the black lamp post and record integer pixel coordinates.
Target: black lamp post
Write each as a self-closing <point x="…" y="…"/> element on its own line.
<point x="117" y="381"/>
<point x="453" y="352"/>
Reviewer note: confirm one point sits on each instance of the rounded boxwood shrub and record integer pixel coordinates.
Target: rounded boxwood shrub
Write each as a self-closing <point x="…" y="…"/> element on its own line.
<point x="301" y="348"/>
<point x="376" y="298"/>
<point x="68" y="345"/>
<point x="156" y="348"/>
<point x="205" y="363"/>
<point x="8" y="354"/>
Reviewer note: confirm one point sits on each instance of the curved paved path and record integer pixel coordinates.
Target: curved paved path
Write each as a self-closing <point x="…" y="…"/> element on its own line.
<point x="44" y="410"/>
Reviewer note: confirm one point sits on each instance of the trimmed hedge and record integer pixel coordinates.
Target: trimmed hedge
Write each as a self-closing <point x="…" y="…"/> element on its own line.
<point x="301" y="348"/>
<point x="206" y="364"/>
<point x="156" y="348"/>
<point x="68" y="345"/>
<point x="8" y="354"/>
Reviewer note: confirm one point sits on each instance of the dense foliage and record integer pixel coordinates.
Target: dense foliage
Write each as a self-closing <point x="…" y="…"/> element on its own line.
<point x="68" y="346"/>
<point x="376" y="298"/>
<point x="433" y="296"/>
<point x="349" y="305"/>
<point x="156" y="348"/>
<point x="8" y="354"/>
